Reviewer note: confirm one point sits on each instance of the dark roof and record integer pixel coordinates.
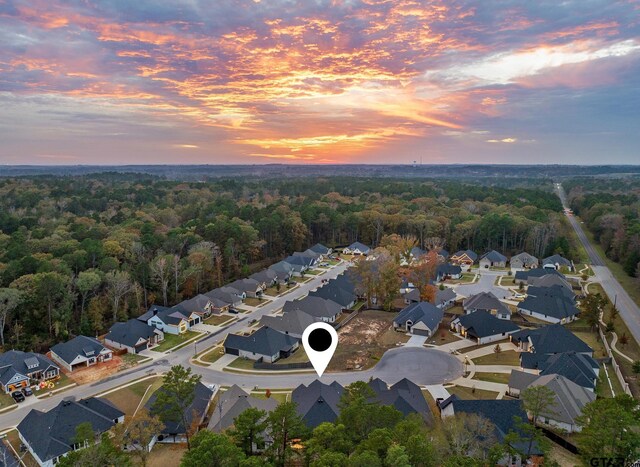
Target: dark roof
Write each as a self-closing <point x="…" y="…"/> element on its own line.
<point x="551" y="339"/>
<point x="294" y="322"/>
<point x="320" y="248"/>
<point x="195" y="412"/>
<point x="537" y="272"/>
<point x="51" y="434"/>
<point x="14" y="362"/>
<point x="576" y="367"/>
<point x="307" y="253"/>
<point x="570" y="397"/>
<point x="552" y="291"/>
<point x="130" y="332"/>
<point x="79" y="345"/>
<point x="318" y="402"/>
<point x="282" y="267"/>
<point x="245" y="285"/>
<point x="359" y="246"/>
<point x="502" y="413"/>
<point x="232" y="403"/>
<point x="197" y="304"/>
<point x="494" y="257"/>
<point x="444" y="253"/>
<point x="266" y="275"/>
<point x="417" y="251"/>
<point x="412" y="295"/>
<point x="299" y="261"/>
<point x="471" y="254"/>
<point x="224" y="297"/>
<point x="555" y="306"/>
<point x="167" y="315"/>
<point x="344" y="281"/>
<point x="335" y="292"/>
<point x="445" y="295"/>
<point x="422" y="312"/>
<point x="265" y="341"/>
<point x="526" y="258"/>
<point x="482" y="324"/>
<point x="485" y="301"/>
<point x="405" y="396"/>
<point x="556" y="259"/>
<point x="448" y="270"/>
<point x="315" y="306"/>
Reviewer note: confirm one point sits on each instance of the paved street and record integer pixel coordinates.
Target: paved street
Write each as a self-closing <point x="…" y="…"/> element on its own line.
<point x="629" y="310"/>
<point x="486" y="283"/>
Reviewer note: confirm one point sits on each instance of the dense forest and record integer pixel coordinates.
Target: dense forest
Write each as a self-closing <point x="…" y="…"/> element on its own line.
<point x="610" y="208"/>
<point x="78" y="253"/>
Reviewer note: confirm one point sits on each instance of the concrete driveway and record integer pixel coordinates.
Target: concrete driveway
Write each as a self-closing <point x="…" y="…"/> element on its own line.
<point x="484" y="284"/>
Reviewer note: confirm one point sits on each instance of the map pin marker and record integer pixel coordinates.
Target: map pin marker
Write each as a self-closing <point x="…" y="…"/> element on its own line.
<point x="320" y="341"/>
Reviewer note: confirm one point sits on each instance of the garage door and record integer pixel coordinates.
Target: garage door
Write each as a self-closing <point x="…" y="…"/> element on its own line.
<point x="139" y="348"/>
<point x="420" y="332"/>
<point x="231" y="351"/>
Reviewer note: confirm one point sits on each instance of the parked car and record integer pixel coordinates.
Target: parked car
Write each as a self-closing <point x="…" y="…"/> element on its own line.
<point x="17" y="396"/>
<point x="27" y="391"/>
<point x="324" y="265"/>
<point x="233" y="311"/>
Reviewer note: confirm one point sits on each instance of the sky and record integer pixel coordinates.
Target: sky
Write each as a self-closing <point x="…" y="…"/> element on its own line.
<point x="319" y="81"/>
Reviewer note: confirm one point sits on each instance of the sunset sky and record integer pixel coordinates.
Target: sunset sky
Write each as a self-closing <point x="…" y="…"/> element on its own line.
<point x="319" y="81"/>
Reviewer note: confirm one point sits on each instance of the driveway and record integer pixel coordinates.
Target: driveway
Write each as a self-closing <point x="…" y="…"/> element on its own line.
<point x="416" y="341"/>
<point x="484" y="284"/>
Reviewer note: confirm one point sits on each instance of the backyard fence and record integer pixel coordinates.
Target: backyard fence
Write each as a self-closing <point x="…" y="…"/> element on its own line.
<point x="614" y="364"/>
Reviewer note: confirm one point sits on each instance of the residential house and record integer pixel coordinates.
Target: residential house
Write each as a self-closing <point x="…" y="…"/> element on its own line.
<point x="445" y="298"/>
<point x="549" y="340"/>
<point x="448" y="271"/>
<point x="232" y="403"/>
<point x="312" y="257"/>
<point x="133" y="335"/>
<point x="284" y="271"/>
<point x="357" y="248"/>
<point x="250" y="287"/>
<point x="406" y="286"/>
<point x="464" y="259"/>
<point x="486" y="301"/>
<point x="170" y="320"/>
<point x="569" y="398"/>
<point x="292" y="324"/>
<point x="266" y="278"/>
<point x="299" y="264"/>
<point x="321" y="250"/>
<point x="526" y="274"/>
<point x="523" y="261"/>
<point x="550" y="308"/>
<point x="493" y="259"/>
<point x="174" y="431"/>
<point x="202" y="305"/>
<point x="555" y="290"/>
<point x="319" y="308"/>
<point x="318" y="402"/>
<point x="51" y="435"/>
<point x="421" y="319"/>
<point x="224" y="299"/>
<point x="557" y="262"/>
<point x="505" y="415"/>
<point x="21" y="369"/>
<point x="483" y="327"/>
<point x="443" y="255"/>
<point x="581" y="369"/>
<point x="80" y="352"/>
<point x="404" y="396"/>
<point x="549" y="280"/>
<point x="241" y="294"/>
<point x="265" y="344"/>
<point x="335" y="291"/>
<point x="412" y="296"/>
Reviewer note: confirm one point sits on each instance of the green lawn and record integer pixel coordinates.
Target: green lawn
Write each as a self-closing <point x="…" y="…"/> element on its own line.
<point x="251" y="301"/>
<point x="6" y="400"/>
<point x="171" y="340"/>
<point x="279" y="396"/>
<point x="592" y="340"/>
<point x="314" y="272"/>
<point x="299" y="356"/>
<point x="213" y="355"/>
<point x="242" y="364"/>
<point x="127" y="399"/>
<point x="502" y="378"/>
<point x="506" y="357"/>
<point x="131" y="359"/>
<point x="465" y="393"/>
<point x="219" y="320"/>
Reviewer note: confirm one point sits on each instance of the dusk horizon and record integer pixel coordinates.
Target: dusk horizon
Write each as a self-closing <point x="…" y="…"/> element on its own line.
<point x="326" y="82"/>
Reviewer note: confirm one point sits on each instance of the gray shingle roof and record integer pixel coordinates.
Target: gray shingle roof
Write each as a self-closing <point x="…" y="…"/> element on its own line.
<point x="335" y="292"/>
<point x="51" y="434"/>
<point x="246" y="285"/>
<point x="320" y="248"/>
<point x="445" y="295"/>
<point x="265" y="341"/>
<point x="471" y="254"/>
<point x="266" y="275"/>
<point x="130" y="332"/>
<point x="494" y="257"/>
<point x="79" y="345"/>
<point x="318" y="402"/>
<point x="195" y="412"/>
<point x="555" y="306"/>
<point x="359" y="246"/>
<point x="521" y="379"/>
<point x="196" y="304"/>
<point x="556" y="259"/>
<point x="405" y="396"/>
<point x="294" y="322"/>
<point x="422" y="312"/>
<point x="486" y="301"/>
<point x="551" y="339"/>
<point x="14" y="362"/>
<point x="315" y="306"/>
<point x="232" y="403"/>
<point x="537" y="272"/>
<point x="552" y="291"/>
<point x="448" y="270"/>
<point x="579" y="368"/>
<point x="570" y="398"/>
<point x="168" y="315"/>
<point x="525" y="258"/>
<point x="481" y="324"/>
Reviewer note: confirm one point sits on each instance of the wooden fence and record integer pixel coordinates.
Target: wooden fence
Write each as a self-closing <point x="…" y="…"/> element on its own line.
<point x="614" y="364"/>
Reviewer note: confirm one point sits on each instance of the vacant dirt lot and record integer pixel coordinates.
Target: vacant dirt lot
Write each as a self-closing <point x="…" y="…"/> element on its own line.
<point x="96" y="372"/>
<point x="363" y="341"/>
